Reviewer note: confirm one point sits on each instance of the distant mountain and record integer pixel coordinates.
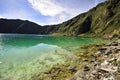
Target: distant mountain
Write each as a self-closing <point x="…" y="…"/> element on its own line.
<point x="103" y="20"/>
<point x="20" y="26"/>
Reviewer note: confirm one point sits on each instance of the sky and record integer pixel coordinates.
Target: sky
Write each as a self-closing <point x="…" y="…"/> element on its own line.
<point x="45" y="12"/>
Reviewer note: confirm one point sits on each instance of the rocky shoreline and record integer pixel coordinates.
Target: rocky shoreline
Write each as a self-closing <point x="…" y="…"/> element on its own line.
<point x="98" y="62"/>
<point x="104" y="66"/>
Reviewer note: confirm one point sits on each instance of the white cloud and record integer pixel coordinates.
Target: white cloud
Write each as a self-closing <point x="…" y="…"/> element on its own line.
<point x="46" y="7"/>
<point x="1" y="16"/>
<point x="54" y="9"/>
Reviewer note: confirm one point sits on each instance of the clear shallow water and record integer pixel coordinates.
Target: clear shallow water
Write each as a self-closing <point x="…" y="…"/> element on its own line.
<point x="25" y="54"/>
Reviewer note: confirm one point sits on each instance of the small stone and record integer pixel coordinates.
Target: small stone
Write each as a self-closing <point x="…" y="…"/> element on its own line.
<point x="94" y="72"/>
<point x="77" y="76"/>
<point x="116" y="50"/>
<point x="114" y="44"/>
<point x="108" y="44"/>
<point x="109" y="52"/>
<point x="85" y="60"/>
<point x="102" y="49"/>
<point x="72" y="68"/>
<point x="98" y="76"/>
<point x="111" y="60"/>
<point x="47" y="72"/>
<point x="86" y="68"/>
<point x="105" y="63"/>
<point x="109" y="69"/>
<point x="92" y="55"/>
<point x="92" y="61"/>
<point x="109" y="78"/>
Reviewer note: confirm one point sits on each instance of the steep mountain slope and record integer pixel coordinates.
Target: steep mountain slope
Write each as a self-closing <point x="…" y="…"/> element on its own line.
<point x="102" y="20"/>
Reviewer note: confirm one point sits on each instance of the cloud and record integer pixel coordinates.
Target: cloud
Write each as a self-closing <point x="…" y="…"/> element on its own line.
<point x="1" y="16"/>
<point x="44" y="12"/>
<point x="46" y="7"/>
<point x="54" y="10"/>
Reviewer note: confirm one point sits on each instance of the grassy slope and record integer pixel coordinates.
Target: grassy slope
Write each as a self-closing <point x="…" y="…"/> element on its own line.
<point x="102" y="20"/>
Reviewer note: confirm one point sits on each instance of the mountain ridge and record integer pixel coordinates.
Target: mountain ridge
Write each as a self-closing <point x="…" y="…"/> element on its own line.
<point x="100" y="21"/>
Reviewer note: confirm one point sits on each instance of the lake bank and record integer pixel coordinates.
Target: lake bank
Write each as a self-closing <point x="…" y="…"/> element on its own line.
<point x="26" y="55"/>
<point x="97" y="62"/>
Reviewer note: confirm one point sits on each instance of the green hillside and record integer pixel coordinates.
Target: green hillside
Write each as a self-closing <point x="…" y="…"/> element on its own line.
<point x="102" y="20"/>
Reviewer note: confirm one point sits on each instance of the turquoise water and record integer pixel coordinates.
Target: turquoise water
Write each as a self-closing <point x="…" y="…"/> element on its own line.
<point x="22" y="55"/>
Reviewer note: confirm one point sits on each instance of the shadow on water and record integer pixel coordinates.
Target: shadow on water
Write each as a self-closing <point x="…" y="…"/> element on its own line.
<point x="23" y="40"/>
<point x="20" y="40"/>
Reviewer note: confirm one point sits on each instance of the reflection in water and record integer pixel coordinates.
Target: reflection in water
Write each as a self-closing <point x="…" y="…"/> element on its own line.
<point x="25" y="54"/>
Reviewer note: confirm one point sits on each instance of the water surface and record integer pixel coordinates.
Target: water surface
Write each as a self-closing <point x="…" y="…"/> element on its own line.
<point x="22" y="54"/>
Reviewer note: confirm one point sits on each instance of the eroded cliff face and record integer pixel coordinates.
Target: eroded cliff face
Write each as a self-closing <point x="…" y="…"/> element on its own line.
<point x="102" y="20"/>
